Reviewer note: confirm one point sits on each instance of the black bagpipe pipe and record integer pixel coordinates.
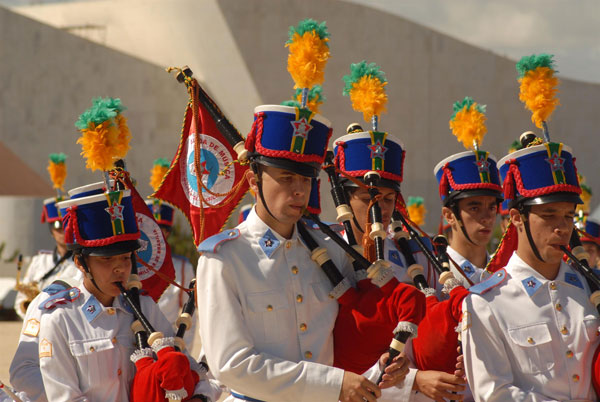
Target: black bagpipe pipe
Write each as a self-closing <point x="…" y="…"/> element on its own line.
<point x="367" y="317"/>
<point x="579" y="257"/>
<point x="344" y="212"/>
<point x="414" y="269"/>
<point x="184" y="321"/>
<point x="435" y="348"/>
<point x="154" y="379"/>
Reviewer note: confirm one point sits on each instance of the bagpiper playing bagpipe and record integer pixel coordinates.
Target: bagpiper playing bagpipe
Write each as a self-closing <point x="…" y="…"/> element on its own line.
<point x="278" y="335"/>
<point x="529" y="331"/>
<point x="85" y="338"/>
<point x="470" y="192"/>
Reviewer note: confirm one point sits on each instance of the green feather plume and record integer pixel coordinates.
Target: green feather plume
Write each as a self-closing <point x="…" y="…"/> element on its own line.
<point x="529" y="63"/>
<point x="58" y="158"/>
<point x="309" y="25"/>
<point x="359" y="70"/>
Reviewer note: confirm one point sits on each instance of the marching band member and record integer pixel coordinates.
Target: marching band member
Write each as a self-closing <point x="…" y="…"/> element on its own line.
<point x="591" y="241"/>
<point x="85" y="335"/>
<point x="172" y="300"/>
<point x="48" y="265"/>
<point x="51" y="271"/>
<point x="530" y="331"/>
<point x="470" y="192"/>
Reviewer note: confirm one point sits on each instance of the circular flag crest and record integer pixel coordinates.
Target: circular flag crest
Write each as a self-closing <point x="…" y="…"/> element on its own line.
<point x="152" y="246"/>
<point x="214" y="157"/>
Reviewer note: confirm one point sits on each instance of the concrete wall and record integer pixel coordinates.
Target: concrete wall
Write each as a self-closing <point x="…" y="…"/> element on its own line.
<point x="238" y="48"/>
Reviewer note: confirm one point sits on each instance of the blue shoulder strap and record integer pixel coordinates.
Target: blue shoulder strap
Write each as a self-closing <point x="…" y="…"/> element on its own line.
<point x="211" y="245"/>
<point x="62" y="297"/>
<point x="496" y="279"/>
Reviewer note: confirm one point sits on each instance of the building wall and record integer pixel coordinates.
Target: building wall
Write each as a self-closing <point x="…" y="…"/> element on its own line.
<point x="237" y="47"/>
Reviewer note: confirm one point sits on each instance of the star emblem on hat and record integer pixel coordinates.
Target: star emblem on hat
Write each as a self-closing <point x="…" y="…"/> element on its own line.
<point x="156" y="209"/>
<point x="378" y="150"/>
<point x="301" y="127"/>
<point x="556" y="162"/>
<point x="483" y="165"/>
<point x="115" y="211"/>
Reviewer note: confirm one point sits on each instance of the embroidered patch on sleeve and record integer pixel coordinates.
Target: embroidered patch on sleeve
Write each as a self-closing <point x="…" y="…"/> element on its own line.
<point x="45" y="348"/>
<point x="32" y="328"/>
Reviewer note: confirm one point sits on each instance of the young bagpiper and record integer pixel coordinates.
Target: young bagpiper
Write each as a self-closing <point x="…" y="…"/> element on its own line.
<point x="49" y="272"/>
<point x="46" y="266"/>
<point x="469" y="187"/>
<point x="267" y="310"/>
<point x="530" y="331"/>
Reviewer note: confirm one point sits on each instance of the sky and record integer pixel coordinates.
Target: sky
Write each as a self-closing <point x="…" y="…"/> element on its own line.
<point x="569" y="29"/>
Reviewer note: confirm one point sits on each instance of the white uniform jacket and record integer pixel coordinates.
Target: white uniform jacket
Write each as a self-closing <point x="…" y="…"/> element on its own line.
<point x="475" y="274"/>
<point x="40" y="265"/>
<point x="530" y="338"/>
<point x="85" y="348"/>
<point x="265" y="315"/>
<point x="173" y="298"/>
<point x="25" y="372"/>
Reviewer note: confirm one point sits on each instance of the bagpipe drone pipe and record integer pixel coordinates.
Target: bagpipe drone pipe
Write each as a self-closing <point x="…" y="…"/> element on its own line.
<point x="436" y="347"/>
<point x="170" y="375"/>
<point x="374" y="313"/>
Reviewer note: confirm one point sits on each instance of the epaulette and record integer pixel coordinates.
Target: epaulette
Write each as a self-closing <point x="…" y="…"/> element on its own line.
<point x="60" y="298"/>
<point x="496" y="279"/>
<point x="212" y="244"/>
<point x="56" y="287"/>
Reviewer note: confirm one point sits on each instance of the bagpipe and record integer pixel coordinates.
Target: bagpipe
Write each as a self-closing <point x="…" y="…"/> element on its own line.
<point x="169" y="376"/>
<point x="579" y="257"/>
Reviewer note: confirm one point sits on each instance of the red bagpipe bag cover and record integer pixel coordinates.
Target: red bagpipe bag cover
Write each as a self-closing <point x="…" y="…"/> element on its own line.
<point x="170" y="373"/>
<point x="435" y="347"/>
<point x="366" y="321"/>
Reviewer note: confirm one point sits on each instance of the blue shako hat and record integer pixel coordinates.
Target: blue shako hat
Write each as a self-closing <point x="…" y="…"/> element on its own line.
<point x="592" y="231"/>
<point x="361" y="152"/>
<point x="50" y="213"/>
<point x="290" y="138"/>
<point x="102" y="224"/>
<point x="540" y="174"/>
<point x="467" y="174"/>
<point x="163" y="213"/>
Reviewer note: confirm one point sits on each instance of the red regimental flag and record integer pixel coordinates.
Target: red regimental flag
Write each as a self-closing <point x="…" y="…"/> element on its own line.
<point x="205" y="187"/>
<point x="154" y="250"/>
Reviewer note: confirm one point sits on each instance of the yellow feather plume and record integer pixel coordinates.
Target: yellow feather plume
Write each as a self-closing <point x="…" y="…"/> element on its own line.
<point x="157" y="174"/>
<point x="368" y="96"/>
<point x="468" y="122"/>
<point x="307" y="59"/>
<point x="58" y="174"/>
<point x="538" y="92"/>
<point x="103" y="144"/>
<point x="416" y="213"/>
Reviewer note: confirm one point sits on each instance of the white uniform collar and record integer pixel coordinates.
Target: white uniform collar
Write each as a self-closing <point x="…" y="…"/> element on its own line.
<point x="460" y="260"/>
<point x="532" y="280"/>
<point x="268" y="239"/>
<point x="92" y="308"/>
